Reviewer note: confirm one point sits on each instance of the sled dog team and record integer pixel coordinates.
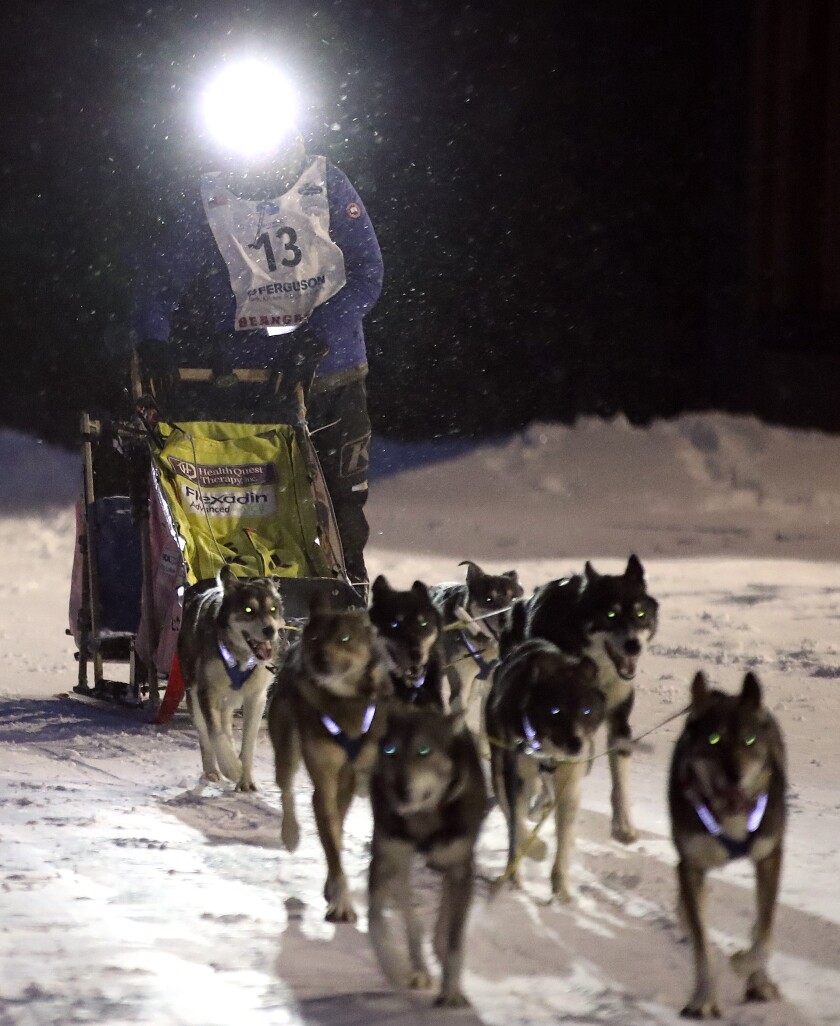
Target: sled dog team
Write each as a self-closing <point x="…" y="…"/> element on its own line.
<point x="377" y="701"/>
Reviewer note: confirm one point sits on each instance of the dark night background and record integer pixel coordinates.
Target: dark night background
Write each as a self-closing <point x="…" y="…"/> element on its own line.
<point x="587" y="207"/>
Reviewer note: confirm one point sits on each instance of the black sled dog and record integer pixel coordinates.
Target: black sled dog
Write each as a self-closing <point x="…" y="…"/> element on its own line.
<point x="726" y="797"/>
<point x="230" y="640"/>
<point x="409" y="627"/>
<point x="610" y="618"/>
<point x="429" y="797"/>
<point x="541" y="715"/>
<point x="328" y="708"/>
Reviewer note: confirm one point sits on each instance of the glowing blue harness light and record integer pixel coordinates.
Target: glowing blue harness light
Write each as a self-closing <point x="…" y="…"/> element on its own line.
<point x="351" y="745"/>
<point x="237" y="677"/>
<point x="735" y="849"/>
<point x="532" y="747"/>
<point x="484" y="668"/>
<point x="532" y="742"/>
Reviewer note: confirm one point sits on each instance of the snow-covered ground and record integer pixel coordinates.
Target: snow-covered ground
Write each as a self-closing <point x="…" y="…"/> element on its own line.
<point x="133" y="894"/>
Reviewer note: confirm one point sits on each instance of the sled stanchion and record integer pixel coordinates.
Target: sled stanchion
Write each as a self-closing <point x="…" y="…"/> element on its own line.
<point x="139" y="484"/>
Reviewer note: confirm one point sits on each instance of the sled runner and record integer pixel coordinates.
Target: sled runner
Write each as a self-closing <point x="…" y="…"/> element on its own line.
<point x="167" y="502"/>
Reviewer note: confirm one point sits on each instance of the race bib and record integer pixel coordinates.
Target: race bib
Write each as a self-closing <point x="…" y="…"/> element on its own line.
<point x="280" y="257"/>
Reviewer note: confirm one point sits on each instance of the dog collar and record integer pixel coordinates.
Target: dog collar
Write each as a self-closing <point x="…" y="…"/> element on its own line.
<point x="351" y="745"/>
<point x="236" y="675"/>
<point x="735" y="849"/>
<point x="484" y="668"/>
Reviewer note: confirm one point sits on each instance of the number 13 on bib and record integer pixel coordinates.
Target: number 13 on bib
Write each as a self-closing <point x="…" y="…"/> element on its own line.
<point x="280" y="257"/>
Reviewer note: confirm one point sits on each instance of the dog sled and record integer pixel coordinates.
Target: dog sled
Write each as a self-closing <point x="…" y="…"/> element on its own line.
<point x="166" y="502"/>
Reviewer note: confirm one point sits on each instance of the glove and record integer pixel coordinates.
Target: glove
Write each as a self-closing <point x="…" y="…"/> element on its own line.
<point x="157" y="362"/>
<point x="297" y="357"/>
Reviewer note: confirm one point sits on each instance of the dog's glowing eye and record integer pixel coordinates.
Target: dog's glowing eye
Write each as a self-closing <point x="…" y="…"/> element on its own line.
<point x="641" y="614"/>
<point x="612" y="614"/>
<point x="345" y="637"/>
<point x="714" y="738"/>
<point x="395" y="624"/>
<point x="272" y="609"/>
<point x="248" y="609"/>
<point x="749" y="740"/>
<point x="554" y="711"/>
<point x="389" y="749"/>
<point x="424" y="750"/>
<point x="587" y="712"/>
<point x="422" y="622"/>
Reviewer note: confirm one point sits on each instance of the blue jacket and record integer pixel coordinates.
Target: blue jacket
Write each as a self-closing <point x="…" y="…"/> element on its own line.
<point x="188" y="250"/>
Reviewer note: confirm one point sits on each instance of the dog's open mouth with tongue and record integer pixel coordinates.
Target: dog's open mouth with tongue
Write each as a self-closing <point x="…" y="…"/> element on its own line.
<point x="625" y="664"/>
<point x="262" y="648"/>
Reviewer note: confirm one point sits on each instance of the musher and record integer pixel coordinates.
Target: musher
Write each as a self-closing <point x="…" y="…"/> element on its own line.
<point x="271" y="249"/>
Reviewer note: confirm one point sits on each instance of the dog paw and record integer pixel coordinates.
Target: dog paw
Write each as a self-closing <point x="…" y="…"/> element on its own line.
<point x="290" y="833"/>
<point x="214" y="777"/>
<point x="246" y="785"/>
<point x="561" y="894"/>
<point x="341" y="911"/>
<point x="701" y="1010"/>
<point x="339" y="906"/>
<point x="624" y="833"/>
<point x="761" y="988"/>
<point x="452" y="1000"/>
<point x="419" y="980"/>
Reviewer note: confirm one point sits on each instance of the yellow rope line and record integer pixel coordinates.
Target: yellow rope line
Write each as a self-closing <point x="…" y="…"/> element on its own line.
<point x="513" y="866"/>
<point x="460" y="625"/>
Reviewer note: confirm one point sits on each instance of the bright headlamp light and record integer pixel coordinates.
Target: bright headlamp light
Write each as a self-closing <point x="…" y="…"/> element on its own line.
<point x="250" y="109"/>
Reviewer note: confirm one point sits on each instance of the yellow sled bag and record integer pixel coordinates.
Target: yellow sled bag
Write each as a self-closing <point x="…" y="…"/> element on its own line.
<point x="240" y="494"/>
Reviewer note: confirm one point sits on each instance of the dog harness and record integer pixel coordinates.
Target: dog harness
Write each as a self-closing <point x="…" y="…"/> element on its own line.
<point x="236" y="675"/>
<point x="484" y="667"/>
<point x="351" y="745"/>
<point x="735" y="849"/>
<point x="532" y="743"/>
<point x="532" y="747"/>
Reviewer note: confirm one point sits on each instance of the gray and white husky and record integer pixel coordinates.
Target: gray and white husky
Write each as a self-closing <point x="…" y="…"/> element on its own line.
<point x="428" y="796"/>
<point x="231" y="637"/>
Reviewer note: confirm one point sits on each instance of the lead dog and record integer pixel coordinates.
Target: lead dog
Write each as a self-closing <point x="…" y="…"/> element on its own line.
<point x="231" y="636"/>
<point x="327" y="708"/>
<point x="726" y="796"/>
<point x="542" y="712"/>
<point x="611" y="619"/>
<point x="473" y="615"/>
<point x="428" y="796"/>
<point x="409" y="627"/>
